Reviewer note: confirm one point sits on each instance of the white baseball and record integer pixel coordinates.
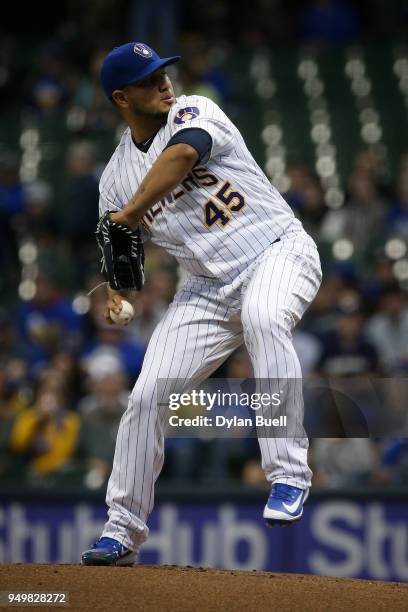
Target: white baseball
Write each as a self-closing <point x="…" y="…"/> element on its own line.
<point x="125" y="316"/>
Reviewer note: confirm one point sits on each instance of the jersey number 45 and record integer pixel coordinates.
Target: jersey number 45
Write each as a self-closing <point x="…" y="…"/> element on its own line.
<point x="217" y="211"/>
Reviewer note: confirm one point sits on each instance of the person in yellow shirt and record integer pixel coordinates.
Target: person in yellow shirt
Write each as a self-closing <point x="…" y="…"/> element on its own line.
<point x="47" y="433"/>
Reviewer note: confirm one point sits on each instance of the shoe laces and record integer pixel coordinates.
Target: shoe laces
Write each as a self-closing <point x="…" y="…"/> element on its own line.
<point x="281" y="491"/>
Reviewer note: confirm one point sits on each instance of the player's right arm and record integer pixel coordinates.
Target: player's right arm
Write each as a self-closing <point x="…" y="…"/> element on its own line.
<point x="113" y="302"/>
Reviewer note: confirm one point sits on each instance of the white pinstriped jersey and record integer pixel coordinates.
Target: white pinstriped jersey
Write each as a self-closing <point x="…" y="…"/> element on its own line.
<point x="223" y="215"/>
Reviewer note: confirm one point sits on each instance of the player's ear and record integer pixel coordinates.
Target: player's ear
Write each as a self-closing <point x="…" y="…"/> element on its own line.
<point x="119" y="97"/>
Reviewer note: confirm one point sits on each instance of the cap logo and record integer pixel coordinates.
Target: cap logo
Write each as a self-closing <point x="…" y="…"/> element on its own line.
<point x="186" y="114"/>
<point x="142" y="50"/>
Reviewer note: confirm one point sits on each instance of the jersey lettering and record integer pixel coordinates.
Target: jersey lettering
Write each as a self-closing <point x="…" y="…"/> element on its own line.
<point x="207" y="179"/>
<point x="234" y="201"/>
<point x="197" y="178"/>
<point x="215" y="214"/>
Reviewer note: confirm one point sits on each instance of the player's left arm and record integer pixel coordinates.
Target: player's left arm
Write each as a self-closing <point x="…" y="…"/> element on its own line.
<point x="168" y="171"/>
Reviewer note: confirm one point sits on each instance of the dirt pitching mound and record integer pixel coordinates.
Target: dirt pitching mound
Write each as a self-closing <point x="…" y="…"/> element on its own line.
<point x="157" y="589"/>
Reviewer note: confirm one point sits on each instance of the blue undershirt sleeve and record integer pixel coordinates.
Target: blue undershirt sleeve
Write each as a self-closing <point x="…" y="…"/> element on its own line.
<point x="197" y="138"/>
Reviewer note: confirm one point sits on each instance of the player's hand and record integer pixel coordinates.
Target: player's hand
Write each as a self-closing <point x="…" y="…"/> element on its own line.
<point x="114" y="303"/>
<point x="121" y="218"/>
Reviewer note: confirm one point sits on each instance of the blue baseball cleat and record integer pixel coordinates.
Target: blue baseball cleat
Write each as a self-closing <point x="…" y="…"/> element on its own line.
<point x="284" y="505"/>
<point x="107" y="551"/>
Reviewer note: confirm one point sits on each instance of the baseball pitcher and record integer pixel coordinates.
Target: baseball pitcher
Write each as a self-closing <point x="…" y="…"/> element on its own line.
<point x="183" y="177"/>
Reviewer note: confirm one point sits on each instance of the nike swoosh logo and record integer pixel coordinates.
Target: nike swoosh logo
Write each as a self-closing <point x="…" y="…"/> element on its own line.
<point x="293" y="507"/>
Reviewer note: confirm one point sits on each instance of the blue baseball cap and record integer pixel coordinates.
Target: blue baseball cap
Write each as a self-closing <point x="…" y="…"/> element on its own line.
<point x="129" y="63"/>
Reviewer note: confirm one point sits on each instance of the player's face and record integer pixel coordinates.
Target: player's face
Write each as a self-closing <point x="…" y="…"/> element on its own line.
<point x="151" y="97"/>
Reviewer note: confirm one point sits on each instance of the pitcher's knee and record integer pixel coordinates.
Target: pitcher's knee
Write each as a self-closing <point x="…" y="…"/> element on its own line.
<point x="266" y="321"/>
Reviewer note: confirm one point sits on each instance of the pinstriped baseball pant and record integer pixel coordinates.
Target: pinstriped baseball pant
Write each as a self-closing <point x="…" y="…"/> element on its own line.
<point x="196" y="335"/>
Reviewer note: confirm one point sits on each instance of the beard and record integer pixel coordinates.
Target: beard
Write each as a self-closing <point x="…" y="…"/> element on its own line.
<point x="156" y="115"/>
<point x="161" y="115"/>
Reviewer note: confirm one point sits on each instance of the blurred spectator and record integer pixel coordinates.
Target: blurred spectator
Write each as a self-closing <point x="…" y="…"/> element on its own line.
<point x="101" y="363"/>
<point x="343" y="462"/>
<point x="388" y="330"/>
<point x="398" y="215"/>
<point x="49" y="87"/>
<point x="381" y="278"/>
<point x="45" y="435"/>
<point x="115" y="340"/>
<point x="199" y="74"/>
<point x="47" y="95"/>
<point x="361" y="220"/>
<point x="306" y="198"/>
<point x="47" y="323"/>
<point x="62" y="372"/>
<point x="66" y="364"/>
<point x="365" y="211"/>
<point x="13" y="400"/>
<point x="298" y="175"/>
<point x="322" y="312"/>
<point x="367" y="163"/>
<point x="91" y="109"/>
<point x="345" y="350"/>
<point x="101" y="411"/>
<point x="39" y="220"/>
<point x="18" y="384"/>
<point x="308" y="349"/>
<point x="313" y="208"/>
<point x="79" y="215"/>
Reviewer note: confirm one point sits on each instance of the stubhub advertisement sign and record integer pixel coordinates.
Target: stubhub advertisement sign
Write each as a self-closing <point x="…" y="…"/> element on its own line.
<point x="335" y="537"/>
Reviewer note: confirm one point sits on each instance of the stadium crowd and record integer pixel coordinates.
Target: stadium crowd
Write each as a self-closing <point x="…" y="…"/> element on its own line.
<point x="65" y="374"/>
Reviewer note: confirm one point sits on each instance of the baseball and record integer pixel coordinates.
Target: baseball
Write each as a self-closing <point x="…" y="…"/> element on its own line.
<point x="125" y="316"/>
